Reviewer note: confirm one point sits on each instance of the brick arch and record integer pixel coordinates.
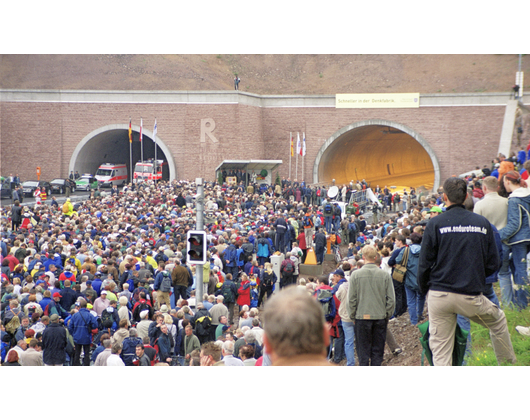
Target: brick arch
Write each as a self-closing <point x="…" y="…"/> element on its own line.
<point x="120" y="127"/>
<point x="339" y="135"/>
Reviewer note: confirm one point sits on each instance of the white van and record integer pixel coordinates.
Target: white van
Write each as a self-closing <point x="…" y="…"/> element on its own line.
<point x="109" y="174"/>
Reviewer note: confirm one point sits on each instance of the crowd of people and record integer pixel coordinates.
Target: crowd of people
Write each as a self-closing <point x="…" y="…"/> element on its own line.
<point x="106" y="281"/>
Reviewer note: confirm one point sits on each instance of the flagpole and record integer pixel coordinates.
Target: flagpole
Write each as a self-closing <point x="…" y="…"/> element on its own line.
<point x="297" y="152"/>
<point x="130" y="150"/>
<point x="290" y="151"/>
<point x="154" y="138"/>
<point x="303" y="156"/>
<point x="141" y="142"/>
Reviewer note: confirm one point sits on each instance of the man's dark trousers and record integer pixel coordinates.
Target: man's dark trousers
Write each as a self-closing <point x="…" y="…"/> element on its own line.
<point x="370" y="336"/>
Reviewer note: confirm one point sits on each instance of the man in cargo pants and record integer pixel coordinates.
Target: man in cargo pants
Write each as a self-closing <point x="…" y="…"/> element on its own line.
<point x="458" y="252"/>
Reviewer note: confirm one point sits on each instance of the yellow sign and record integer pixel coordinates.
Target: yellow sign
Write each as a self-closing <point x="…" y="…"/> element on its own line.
<point x="377" y="100"/>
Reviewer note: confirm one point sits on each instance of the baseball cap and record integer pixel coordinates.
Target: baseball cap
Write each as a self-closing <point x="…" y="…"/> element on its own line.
<point x="339" y="271"/>
<point x="435" y="209"/>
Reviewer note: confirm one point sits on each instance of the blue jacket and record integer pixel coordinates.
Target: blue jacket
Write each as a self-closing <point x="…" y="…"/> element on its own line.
<point x="517" y="228"/>
<point x="411" y="280"/>
<point x="81" y="326"/>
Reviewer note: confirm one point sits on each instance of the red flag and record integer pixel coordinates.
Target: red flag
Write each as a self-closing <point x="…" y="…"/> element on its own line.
<point x="141" y="123"/>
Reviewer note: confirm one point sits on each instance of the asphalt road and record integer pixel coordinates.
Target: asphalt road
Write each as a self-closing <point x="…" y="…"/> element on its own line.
<point x="30" y="201"/>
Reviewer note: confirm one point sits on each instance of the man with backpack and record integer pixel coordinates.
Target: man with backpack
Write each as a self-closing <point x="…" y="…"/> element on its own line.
<point x="202" y="322"/>
<point x="142" y="305"/>
<point x="230" y="259"/>
<point x="129" y="344"/>
<point x="328" y="216"/>
<point x="229" y="292"/>
<point x="163" y="284"/>
<point x="287" y="270"/>
<point x="110" y="318"/>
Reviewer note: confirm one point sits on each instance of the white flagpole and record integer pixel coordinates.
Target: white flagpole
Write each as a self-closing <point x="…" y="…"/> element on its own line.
<point x="303" y="156"/>
<point x="297" y="152"/>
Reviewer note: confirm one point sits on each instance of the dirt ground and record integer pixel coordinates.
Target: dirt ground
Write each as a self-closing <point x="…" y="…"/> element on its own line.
<point x="266" y="74"/>
<point x="406" y="335"/>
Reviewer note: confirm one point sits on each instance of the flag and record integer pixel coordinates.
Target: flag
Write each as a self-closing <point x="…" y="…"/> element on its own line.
<point x="292" y="149"/>
<point x="154" y="132"/>
<point x="141" y="123"/>
<point x="130" y="131"/>
<point x="298" y="148"/>
<point x="303" y="147"/>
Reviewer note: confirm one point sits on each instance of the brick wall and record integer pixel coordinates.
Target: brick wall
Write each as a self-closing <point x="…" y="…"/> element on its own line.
<point x="46" y="134"/>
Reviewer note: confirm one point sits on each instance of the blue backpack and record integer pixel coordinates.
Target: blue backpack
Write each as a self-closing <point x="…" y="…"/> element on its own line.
<point x="263" y="250"/>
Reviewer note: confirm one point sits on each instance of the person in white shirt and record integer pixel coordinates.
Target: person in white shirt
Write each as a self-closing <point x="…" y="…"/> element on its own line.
<point x="228" y="357"/>
<point x="115" y="359"/>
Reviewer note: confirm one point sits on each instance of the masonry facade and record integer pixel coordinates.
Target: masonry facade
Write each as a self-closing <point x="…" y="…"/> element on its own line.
<point x="43" y="128"/>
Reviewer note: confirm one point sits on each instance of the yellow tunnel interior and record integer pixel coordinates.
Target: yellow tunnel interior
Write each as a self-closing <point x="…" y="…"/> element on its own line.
<point x="379" y="154"/>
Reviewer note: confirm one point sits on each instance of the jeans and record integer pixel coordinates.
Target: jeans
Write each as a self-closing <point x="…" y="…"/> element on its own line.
<point x="328" y="223"/>
<point x="505" y="278"/>
<point x="415" y="304"/>
<point x="401" y="298"/>
<point x="320" y="254"/>
<point x="349" y="342"/>
<point x="520" y="279"/>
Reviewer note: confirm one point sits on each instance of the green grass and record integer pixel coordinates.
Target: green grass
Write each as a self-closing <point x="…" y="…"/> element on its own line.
<point x="482" y="350"/>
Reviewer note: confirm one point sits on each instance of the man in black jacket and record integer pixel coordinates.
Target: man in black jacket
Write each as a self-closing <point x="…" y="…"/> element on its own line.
<point x="320" y="242"/>
<point x="54" y="343"/>
<point x="458" y="252"/>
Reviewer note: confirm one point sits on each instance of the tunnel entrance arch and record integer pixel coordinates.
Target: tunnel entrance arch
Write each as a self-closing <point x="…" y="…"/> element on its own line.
<point x="110" y="144"/>
<point x="382" y="152"/>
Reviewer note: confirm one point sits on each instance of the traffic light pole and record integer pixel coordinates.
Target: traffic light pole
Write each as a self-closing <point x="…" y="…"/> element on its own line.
<point x="199" y="205"/>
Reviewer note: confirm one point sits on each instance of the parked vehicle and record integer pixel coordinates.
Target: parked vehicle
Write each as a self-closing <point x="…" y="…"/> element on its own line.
<point x="109" y="174"/>
<point x="86" y="182"/>
<point x="59" y="185"/>
<point x="148" y="170"/>
<point x="6" y="188"/>
<point x="29" y="187"/>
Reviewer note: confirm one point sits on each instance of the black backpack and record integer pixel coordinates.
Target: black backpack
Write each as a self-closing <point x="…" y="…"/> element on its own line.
<point x="142" y="307"/>
<point x="202" y="325"/>
<point x="107" y="319"/>
<point x="288" y="268"/>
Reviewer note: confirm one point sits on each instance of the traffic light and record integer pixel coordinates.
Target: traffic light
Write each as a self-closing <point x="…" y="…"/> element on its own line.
<point x="196" y="241"/>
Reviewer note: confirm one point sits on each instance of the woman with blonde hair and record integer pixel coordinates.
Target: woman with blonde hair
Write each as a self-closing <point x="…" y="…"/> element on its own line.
<point x="267" y="282"/>
<point x="516" y="233"/>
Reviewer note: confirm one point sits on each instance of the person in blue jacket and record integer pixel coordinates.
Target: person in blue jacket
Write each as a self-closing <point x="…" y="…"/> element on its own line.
<point x="80" y="327"/>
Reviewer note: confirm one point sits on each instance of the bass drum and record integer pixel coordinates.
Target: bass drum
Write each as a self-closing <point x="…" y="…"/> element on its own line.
<point x="333" y="192"/>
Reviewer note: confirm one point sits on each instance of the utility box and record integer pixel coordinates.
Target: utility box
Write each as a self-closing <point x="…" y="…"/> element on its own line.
<point x="276" y="261"/>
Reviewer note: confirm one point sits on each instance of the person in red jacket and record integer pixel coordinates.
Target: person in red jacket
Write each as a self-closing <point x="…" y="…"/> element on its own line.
<point x="243" y="293"/>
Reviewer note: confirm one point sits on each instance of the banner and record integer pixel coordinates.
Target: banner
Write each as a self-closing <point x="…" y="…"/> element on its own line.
<point x="377" y="100"/>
